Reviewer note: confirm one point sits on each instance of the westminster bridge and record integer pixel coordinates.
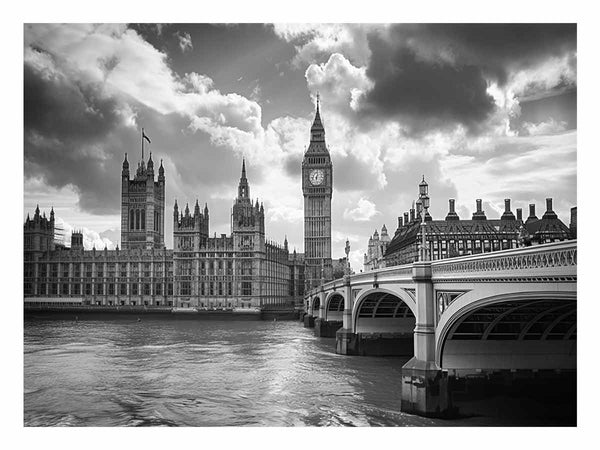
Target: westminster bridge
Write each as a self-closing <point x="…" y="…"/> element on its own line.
<point x="510" y="311"/>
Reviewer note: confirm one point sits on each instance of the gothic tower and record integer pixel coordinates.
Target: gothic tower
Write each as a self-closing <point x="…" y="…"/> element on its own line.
<point x="142" y="207"/>
<point x="248" y="231"/>
<point x="317" y="187"/>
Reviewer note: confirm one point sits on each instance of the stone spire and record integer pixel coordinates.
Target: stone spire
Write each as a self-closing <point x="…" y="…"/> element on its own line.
<point x="161" y="172"/>
<point x="125" y="171"/>
<point x="317" y="131"/>
<point x="243" y="187"/>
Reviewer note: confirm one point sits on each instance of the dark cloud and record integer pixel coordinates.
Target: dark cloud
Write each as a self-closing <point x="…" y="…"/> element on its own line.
<point x="65" y="137"/>
<point x="499" y="48"/>
<point x="424" y="94"/>
<point x="561" y="108"/>
<point x="436" y="76"/>
<point x="56" y="106"/>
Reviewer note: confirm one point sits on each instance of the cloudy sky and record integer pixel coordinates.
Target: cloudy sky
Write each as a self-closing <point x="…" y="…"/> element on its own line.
<point x="483" y="111"/>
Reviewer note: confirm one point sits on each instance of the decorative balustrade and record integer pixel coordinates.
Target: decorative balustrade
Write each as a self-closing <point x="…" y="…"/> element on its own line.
<point x="538" y="257"/>
<point x="395" y="272"/>
<point x="529" y="260"/>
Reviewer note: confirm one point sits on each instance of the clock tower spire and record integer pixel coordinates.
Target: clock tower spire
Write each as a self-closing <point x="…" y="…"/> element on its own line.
<point x="317" y="188"/>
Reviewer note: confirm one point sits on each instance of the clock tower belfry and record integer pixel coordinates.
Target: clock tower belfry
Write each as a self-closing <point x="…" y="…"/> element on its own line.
<point x="317" y="188"/>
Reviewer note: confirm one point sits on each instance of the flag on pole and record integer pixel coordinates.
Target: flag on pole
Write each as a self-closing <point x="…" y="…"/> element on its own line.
<point x="146" y="137"/>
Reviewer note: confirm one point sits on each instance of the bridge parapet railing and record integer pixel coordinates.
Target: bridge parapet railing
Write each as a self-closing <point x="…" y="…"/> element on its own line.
<point x="554" y="259"/>
<point x="392" y="274"/>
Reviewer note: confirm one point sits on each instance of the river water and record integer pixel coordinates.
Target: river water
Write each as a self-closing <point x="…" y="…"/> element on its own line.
<point x="177" y="372"/>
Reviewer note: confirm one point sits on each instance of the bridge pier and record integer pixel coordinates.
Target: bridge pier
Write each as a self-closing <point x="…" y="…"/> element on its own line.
<point x="373" y="344"/>
<point x="345" y="335"/>
<point x="309" y="321"/>
<point x="425" y="389"/>
<point x="327" y="328"/>
<point x="424" y="384"/>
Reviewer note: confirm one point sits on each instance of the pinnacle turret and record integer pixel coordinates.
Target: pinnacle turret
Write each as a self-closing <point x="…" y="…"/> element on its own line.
<point x="150" y="163"/>
<point x="125" y="171"/>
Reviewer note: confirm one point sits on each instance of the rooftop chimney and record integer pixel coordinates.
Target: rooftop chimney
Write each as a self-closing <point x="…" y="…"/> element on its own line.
<point x="451" y="212"/>
<point x="507" y="215"/>
<point x="412" y="214"/>
<point x="549" y="214"/>
<point x="573" y="224"/>
<point x="532" y="215"/>
<point x="405" y="218"/>
<point x="519" y="214"/>
<point x="399" y="221"/>
<point x="479" y="214"/>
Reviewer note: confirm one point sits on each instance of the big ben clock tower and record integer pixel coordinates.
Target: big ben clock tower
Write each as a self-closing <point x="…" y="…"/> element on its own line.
<point x="317" y="187"/>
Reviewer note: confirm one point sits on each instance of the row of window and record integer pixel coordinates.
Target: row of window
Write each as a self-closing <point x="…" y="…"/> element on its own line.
<point x="98" y="289"/>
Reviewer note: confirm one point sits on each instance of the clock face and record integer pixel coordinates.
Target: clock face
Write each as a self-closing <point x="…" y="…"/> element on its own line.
<point x="316" y="177"/>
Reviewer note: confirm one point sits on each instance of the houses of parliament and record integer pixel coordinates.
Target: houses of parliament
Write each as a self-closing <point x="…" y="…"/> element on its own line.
<point x="236" y="271"/>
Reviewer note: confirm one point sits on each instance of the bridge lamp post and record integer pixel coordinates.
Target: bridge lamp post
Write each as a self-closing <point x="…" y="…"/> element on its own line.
<point x="423" y="206"/>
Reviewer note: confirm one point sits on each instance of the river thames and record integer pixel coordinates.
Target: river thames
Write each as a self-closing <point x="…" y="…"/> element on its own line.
<point x="177" y="372"/>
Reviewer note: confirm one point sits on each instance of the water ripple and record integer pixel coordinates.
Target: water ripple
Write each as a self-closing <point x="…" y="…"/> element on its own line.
<point x="163" y="372"/>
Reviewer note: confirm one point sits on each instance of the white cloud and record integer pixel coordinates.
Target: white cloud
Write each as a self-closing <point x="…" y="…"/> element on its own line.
<point x="315" y="42"/>
<point x="537" y="81"/>
<point x="91" y="238"/>
<point x="185" y="41"/>
<point x="342" y="83"/>
<point x="551" y="126"/>
<point x="364" y="211"/>
<point x="525" y="169"/>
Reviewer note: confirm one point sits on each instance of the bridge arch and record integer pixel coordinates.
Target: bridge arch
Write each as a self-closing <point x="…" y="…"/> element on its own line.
<point x="526" y="330"/>
<point x="334" y="306"/>
<point x="384" y="311"/>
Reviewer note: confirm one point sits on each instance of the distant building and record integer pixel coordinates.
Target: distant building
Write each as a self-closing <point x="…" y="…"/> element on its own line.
<point x="455" y="237"/>
<point x="339" y="267"/>
<point x="376" y="248"/>
<point x="241" y="270"/>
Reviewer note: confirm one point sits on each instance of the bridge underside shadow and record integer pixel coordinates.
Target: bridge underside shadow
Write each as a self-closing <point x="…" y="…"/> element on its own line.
<point x="514" y="359"/>
<point x="383" y="326"/>
<point x="519" y="356"/>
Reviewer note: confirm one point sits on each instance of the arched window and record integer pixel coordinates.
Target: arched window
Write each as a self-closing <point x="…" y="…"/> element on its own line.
<point x="131" y="220"/>
<point x="143" y="227"/>
<point x="137" y="219"/>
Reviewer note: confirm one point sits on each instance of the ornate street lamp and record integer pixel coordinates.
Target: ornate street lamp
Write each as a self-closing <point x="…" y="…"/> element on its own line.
<point x="347" y="250"/>
<point x="423" y="206"/>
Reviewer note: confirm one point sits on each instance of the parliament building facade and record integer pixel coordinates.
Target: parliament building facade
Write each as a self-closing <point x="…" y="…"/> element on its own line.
<point x="237" y="271"/>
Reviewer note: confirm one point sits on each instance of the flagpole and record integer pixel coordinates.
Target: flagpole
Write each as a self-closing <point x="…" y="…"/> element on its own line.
<point x="142" y="144"/>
